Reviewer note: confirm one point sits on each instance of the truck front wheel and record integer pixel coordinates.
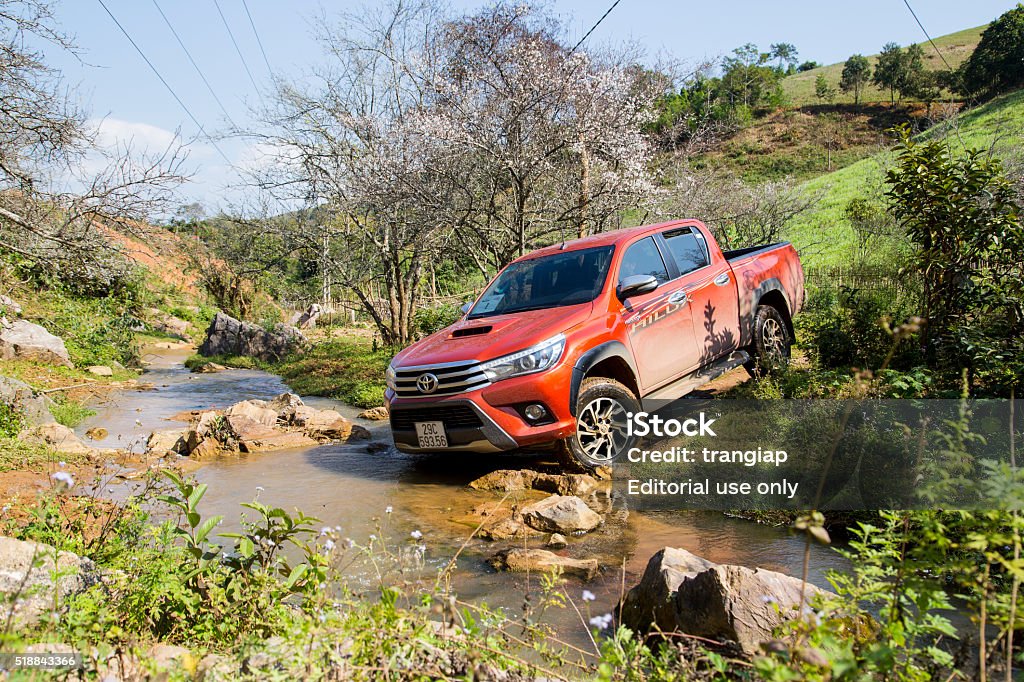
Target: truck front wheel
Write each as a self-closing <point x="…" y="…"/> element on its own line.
<point x="601" y="417"/>
<point x="772" y="342"/>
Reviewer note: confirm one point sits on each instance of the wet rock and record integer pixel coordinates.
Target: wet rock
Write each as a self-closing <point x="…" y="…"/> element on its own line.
<point x="557" y="541"/>
<point x="285" y="405"/>
<point x="359" y="433"/>
<point x="603" y="473"/>
<point x="59" y="438"/>
<point x="508" y="528"/>
<point x="166" y="441"/>
<point x="681" y="592"/>
<point x="23" y="340"/>
<point x="97" y="433"/>
<point x="377" y="446"/>
<point x="505" y="480"/>
<point x="100" y="371"/>
<point x="28" y="570"/>
<point x="207" y="448"/>
<point x="561" y="514"/>
<point x="255" y="410"/>
<point x="252" y="436"/>
<point x="228" y="336"/>
<point x="374" y="414"/>
<point x="650" y="604"/>
<point x="19" y="395"/>
<point x="739" y="604"/>
<point x="199" y="429"/>
<point x="520" y="560"/>
<point x="208" y="368"/>
<point x="326" y="424"/>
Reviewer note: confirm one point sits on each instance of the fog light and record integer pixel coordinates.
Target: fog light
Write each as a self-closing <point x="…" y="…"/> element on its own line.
<point x="535" y="412"/>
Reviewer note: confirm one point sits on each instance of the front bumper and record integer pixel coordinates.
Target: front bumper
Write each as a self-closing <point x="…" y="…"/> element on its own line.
<point x="488" y="419"/>
<point x="465" y="434"/>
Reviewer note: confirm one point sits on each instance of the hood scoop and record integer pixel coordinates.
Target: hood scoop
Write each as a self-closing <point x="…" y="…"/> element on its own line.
<point x="471" y="331"/>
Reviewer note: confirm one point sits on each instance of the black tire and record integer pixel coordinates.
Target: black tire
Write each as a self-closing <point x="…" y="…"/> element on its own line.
<point x="601" y="410"/>
<point x="773" y="344"/>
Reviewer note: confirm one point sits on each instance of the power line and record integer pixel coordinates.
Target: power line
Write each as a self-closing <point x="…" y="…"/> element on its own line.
<point x="603" y="16"/>
<point x="235" y="43"/>
<point x="258" y="41"/>
<point x="195" y="65"/>
<point x="925" y="31"/>
<point x="164" y="81"/>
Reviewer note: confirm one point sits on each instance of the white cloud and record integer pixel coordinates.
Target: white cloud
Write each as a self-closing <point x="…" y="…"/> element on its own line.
<point x="113" y="133"/>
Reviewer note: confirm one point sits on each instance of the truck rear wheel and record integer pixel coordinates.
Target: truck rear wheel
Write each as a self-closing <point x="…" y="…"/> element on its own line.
<point x="772" y="345"/>
<point x="601" y="417"/>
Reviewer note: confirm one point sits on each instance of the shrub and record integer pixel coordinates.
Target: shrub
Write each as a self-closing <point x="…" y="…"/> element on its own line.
<point x="430" y="320"/>
<point x="12" y="421"/>
<point x="848" y="328"/>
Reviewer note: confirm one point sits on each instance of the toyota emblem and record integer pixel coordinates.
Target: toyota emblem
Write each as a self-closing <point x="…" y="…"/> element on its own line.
<point x="426" y="383"/>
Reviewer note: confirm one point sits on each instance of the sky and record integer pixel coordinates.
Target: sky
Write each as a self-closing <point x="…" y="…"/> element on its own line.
<point x="127" y="102"/>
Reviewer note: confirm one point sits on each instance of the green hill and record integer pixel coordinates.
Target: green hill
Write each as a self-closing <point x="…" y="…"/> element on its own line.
<point x="825" y="237"/>
<point x="955" y="47"/>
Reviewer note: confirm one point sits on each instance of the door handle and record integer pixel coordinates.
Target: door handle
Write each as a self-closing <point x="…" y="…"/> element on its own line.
<point x="678" y="298"/>
<point x="722" y="279"/>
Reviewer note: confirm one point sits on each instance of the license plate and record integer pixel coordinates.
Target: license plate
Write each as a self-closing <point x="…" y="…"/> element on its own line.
<point x="431" y="435"/>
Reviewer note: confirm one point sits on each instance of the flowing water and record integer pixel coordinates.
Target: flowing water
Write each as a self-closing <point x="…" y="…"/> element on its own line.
<point x="351" y="486"/>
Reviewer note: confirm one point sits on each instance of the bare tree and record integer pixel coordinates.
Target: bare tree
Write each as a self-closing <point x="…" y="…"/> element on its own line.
<point x="739" y="213"/>
<point x="43" y="141"/>
<point x="550" y="139"/>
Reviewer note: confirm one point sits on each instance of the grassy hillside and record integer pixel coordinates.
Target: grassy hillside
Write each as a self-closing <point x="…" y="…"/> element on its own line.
<point x="955" y="47"/>
<point x="826" y="238"/>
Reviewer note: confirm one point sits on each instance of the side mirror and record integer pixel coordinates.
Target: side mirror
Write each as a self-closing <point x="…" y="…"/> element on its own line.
<point x="634" y="285"/>
<point x="466" y="307"/>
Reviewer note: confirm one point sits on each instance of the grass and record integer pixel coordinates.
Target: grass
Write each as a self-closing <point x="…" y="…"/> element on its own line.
<point x="823" y="234"/>
<point x="18" y="454"/>
<point x="955" y="47"/>
<point x="346" y="369"/>
<point x="70" y="413"/>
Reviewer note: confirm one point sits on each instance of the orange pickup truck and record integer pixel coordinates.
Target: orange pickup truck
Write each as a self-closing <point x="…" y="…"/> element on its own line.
<point x="569" y="339"/>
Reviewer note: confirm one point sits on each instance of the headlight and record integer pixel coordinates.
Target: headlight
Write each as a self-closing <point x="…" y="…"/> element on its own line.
<point x="389" y="378"/>
<point x="534" y="359"/>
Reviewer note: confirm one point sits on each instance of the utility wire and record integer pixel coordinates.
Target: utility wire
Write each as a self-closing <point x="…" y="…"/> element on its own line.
<point x="258" y="41"/>
<point x="166" y="84"/>
<point x="235" y="43"/>
<point x="195" y="65"/>
<point x="603" y="16"/>
<point x="925" y="31"/>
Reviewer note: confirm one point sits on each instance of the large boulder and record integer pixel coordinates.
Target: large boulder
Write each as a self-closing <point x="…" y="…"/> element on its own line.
<point x="23" y="340"/>
<point x="684" y="593"/>
<point x="561" y="514"/>
<point x="307" y="319"/>
<point x="255" y="410"/>
<point x="34" y="577"/>
<point x="19" y="395"/>
<point x="650" y="604"/>
<point x="166" y="441"/>
<point x="168" y="324"/>
<point x="228" y="336"/>
<point x="520" y="560"/>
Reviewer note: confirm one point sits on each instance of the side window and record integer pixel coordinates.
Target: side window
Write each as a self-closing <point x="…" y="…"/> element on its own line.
<point x="687" y="251"/>
<point x="643" y="258"/>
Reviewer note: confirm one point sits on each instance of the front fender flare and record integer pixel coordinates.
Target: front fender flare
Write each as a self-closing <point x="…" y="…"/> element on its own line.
<point x="599" y="353"/>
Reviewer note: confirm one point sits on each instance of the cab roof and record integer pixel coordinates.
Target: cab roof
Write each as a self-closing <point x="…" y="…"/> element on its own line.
<point x="603" y="239"/>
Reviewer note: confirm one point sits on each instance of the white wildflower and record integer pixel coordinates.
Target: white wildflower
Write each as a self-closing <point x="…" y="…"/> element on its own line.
<point x="588" y="595"/>
<point x="416" y="535"/>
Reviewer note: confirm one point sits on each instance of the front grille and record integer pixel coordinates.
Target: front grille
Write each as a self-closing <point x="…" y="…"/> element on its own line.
<point x="453" y="416"/>
<point x="451" y="379"/>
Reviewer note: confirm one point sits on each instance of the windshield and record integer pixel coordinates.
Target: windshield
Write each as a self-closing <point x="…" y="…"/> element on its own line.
<point x="546" y="282"/>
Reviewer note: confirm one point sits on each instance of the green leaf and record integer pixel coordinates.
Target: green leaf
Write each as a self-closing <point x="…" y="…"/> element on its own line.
<point x="197" y="495"/>
<point x="207" y="526"/>
<point x="295" y="575"/>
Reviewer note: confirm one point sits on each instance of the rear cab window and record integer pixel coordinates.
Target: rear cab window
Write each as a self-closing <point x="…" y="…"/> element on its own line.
<point x="687" y="248"/>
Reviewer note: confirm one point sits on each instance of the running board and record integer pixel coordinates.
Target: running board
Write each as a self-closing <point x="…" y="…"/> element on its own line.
<point x="686" y="384"/>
